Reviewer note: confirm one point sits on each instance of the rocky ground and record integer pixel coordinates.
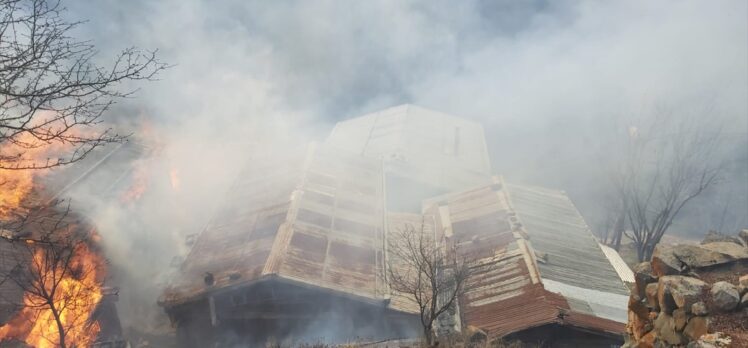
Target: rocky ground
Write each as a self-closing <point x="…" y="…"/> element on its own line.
<point x="692" y="295"/>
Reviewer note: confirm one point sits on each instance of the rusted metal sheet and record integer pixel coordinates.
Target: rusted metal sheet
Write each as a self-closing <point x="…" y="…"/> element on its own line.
<point x="318" y="222"/>
<point x="336" y="239"/>
<point x="504" y="295"/>
<point x="533" y="307"/>
<point x="235" y="246"/>
<point x="593" y="322"/>
<point x="574" y="263"/>
<point x="507" y="294"/>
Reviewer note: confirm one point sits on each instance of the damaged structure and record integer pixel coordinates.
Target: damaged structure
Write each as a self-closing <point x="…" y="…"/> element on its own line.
<point x="299" y="249"/>
<point x="95" y="171"/>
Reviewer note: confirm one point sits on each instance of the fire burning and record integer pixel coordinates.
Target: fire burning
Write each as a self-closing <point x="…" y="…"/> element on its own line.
<point x="139" y="184"/>
<point x="63" y="291"/>
<point x="60" y="275"/>
<point x="16" y="184"/>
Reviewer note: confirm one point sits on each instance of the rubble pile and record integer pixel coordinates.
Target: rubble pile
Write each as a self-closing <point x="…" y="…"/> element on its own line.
<point x="692" y="295"/>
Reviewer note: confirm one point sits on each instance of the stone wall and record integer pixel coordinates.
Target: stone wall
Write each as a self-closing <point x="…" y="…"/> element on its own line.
<point x="692" y="295"/>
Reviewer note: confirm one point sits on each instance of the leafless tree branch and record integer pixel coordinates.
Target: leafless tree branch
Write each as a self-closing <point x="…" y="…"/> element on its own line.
<point x="665" y="167"/>
<point x="431" y="274"/>
<point x="52" y="93"/>
<point x="45" y="262"/>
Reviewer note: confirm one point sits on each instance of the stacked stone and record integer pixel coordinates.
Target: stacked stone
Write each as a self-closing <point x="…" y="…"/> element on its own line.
<point x="671" y="306"/>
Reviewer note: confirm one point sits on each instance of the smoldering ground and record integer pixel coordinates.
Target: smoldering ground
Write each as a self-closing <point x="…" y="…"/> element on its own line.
<point x="552" y="82"/>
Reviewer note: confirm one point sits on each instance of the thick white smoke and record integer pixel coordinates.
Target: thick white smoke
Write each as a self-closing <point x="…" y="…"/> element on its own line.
<point x="551" y="81"/>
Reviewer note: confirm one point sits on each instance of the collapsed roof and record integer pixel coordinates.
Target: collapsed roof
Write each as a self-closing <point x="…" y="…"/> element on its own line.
<point x="320" y="217"/>
<point x="545" y="266"/>
<point x="315" y="219"/>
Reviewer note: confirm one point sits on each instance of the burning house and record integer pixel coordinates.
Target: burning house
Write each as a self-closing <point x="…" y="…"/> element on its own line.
<point x="300" y="241"/>
<point x="299" y="249"/>
<point x="52" y="284"/>
<point x="52" y="270"/>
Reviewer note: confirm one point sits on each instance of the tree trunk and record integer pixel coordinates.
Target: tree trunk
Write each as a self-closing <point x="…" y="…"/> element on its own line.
<point x="639" y="251"/>
<point x="427" y="335"/>
<point x="649" y="250"/>
<point x="620" y="226"/>
<point x="60" y="328"/>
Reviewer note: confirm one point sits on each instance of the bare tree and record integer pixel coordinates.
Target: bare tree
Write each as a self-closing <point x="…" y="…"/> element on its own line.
<point x="52" y="93"/>
<point x="427" y="271"/>
<point x="611" y="228"/>
<point x="60" y="280"/>
<point x="665" y="167"/>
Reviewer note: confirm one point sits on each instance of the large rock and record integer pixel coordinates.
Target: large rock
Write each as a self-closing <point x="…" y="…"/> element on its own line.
<point x="664" y="325"/>
<point x="699" y="308"/>
<point x="743" y="284"/>
<point x="679" y="292"/>
<point x="651" y="294"/>
<point x="664" y="261"/>
<point x="643" y="276"/>
<point x="648" y="341"/>
<point x="714" y="236"/>
<point x="732" y="250"/>
<point x="680" y="318"/>
<point x="725" y="296"/>
<point x="678" y="259"/>
<point x="743" y="235"/>
<point x="696" y="327"/>
<point x="639" y="326"/>
<point x="744" y="301"/>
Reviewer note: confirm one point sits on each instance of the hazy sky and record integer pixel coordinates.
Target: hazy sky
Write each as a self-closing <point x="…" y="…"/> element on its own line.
<point x="551" y="81"/>
<point x="327" y="57"/>
<point x="536" y="69"/>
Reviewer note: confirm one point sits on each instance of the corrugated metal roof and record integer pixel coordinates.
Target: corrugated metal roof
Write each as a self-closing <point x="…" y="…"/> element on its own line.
<point x="592" y="322"/>
<point x="558" y="230"/>
<point x="235" y="245"/>
<point x="327" y="229"/>
<point x="335" y="234"/>
<point x="528" y="310"/>
<point x="513" y="293"/>
<point x="573" y="265"/>
<point x="598" y="303"/>
<point x="315" y="219"/>
<point x="623" y="269"/>
<point x="505" y="295"/>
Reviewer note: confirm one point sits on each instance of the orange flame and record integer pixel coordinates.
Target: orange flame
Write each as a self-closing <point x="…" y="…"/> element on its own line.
<point x="77" y="289"/>
<point x="139" y="184"/>
<point x="15" y="185"/>
<point x="77" y="293"/>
